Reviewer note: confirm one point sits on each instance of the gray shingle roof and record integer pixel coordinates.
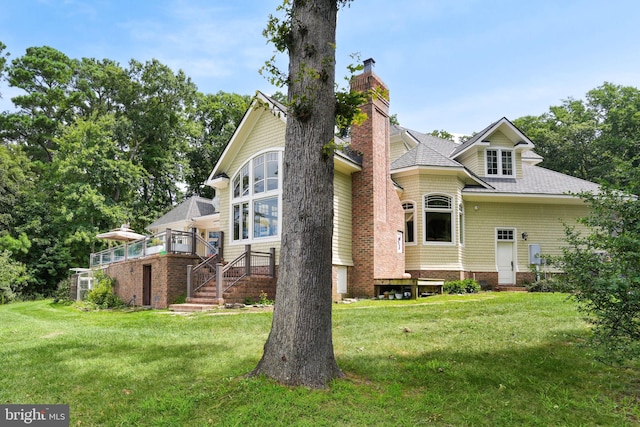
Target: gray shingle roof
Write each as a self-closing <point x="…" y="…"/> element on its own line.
<point x="536" y="180"/>
<point x="473" y="139"/>
<point x="437" y="152"/>
<point x="192" y="207"/>
<point x="422" y="155"/>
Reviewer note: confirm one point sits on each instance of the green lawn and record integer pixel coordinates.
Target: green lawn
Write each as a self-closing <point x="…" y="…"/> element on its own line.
<point x="493" y="359"/>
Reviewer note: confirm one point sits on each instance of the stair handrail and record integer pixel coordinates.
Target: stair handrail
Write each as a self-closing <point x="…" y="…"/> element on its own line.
<point x="209" y="248"/>
<point x="249" y="263"/>
<point x="211" y="262"/>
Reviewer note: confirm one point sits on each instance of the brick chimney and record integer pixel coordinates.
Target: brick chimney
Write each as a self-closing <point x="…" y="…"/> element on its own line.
<point x="378" y="219"/>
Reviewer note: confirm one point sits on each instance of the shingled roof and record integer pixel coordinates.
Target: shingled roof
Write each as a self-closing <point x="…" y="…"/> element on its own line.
<point x="537" y="181"/>
<point x="193" y="207"/>
<point x="423" y="155"/>
<point x="432" y="151"/>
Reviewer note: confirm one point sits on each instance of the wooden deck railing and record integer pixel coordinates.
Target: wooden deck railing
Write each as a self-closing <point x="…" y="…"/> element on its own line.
<point x="249" y="263"/>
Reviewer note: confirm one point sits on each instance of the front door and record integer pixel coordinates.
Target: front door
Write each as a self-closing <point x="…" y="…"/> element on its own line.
<point x="146" y="285"/>
<point x="504" y="256"/>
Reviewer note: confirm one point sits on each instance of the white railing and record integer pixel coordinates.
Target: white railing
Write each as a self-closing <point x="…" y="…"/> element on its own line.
<point x="168" y="241"/>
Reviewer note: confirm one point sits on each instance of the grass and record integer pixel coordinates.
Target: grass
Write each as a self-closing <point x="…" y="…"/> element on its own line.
<point x="492" y="359"/>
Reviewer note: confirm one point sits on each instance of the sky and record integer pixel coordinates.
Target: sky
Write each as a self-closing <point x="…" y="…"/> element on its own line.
<point x="454" y="65"/>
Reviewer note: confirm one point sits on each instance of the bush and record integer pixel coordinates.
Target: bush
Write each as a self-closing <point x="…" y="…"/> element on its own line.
<point x="102" y="293"/>
<point x="14" y="278"/>
<point x="549" y="284"/>
<point x="180" y="299"/>
<point x="466" y="286"/>
<point x="63" y="292"/>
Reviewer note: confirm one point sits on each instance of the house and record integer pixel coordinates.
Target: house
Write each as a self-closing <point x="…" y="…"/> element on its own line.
<point x="412" y="205"/>
<point x="408" y="208"/>
<point x="194" y="213"/>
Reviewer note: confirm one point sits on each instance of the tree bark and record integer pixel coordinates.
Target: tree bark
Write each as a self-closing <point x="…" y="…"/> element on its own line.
<point x="299" y="350"/>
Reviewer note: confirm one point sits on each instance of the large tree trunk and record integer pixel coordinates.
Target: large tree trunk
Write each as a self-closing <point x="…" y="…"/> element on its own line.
<point x="299" y="350"/>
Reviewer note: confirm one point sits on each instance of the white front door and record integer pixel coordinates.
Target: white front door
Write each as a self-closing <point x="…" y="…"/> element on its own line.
<point x="504" y="256"/>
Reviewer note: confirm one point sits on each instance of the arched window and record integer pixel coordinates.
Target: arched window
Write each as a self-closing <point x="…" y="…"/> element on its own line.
<point x="409" y="222"/>
<point x="255" y="200"/>
<point x="438" y="218"/>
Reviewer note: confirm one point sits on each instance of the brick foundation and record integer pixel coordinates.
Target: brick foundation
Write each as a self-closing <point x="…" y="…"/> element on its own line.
<point x="490" y="278"/>
<point x="168" y="278"/>
<point x="250" y="288"/>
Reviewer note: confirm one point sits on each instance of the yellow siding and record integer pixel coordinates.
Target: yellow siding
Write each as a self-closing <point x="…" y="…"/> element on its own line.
<point x="498" y="139"/>
<point x="474" y="161"/>
<point x="518" y="164"/>
<point x="541" y="222"/>
<point x="267" y="133"/>
<point x="397" y="149"/>
<point x="342" y="234"/>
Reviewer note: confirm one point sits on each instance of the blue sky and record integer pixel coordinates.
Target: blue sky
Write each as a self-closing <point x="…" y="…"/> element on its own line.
<point x="456" y="65"/>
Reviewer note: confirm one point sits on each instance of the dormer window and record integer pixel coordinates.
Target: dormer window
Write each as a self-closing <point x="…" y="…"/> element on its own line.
<point x="499" y="162"/>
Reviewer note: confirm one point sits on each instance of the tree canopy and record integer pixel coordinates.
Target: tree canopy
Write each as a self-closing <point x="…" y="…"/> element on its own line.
<point x="92" y="144"/>
<point x="597" y="138"/>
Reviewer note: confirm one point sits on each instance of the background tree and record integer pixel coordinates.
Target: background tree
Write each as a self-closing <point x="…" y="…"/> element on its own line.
<point x="443" y="134"/>
<point x="93" y="145"/>
<point x="596" y="139"/>
<point x="44" y="74"/>
<point x="566" y="137"/>
<point x="216" y="117"/>
<point x="299" y="350"/>
<point x="3" y="61"/>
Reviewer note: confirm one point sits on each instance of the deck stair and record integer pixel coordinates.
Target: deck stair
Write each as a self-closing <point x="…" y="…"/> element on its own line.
<point x="203" y="299"/>
<point x="246" y="271"/>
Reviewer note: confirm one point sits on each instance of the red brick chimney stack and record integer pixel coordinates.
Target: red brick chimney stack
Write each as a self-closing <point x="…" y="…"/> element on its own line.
<point x="377" y="212"/>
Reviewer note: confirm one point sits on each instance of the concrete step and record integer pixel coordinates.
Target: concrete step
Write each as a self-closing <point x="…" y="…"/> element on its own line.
<point x="205" y="300"/>
<point x="191" y="307"/>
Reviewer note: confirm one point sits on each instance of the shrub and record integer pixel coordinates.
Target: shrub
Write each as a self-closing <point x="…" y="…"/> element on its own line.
<point x="180" y="299"/>
<point x="102" y="293"/>
<point x="264" y="299"/>
<point x="466" y="286"/>
<point x="14" y="278"/>
<point x="63" y="293"/>
<point x="548" y="284"/>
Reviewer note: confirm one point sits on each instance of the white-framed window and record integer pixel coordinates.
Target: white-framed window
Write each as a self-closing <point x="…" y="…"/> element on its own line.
<point x="256" y="198"/>
<point x="438" y="218"/>
<point x="499" y="162"/>
<point x="505" y="235"/>
<point x="409" y="222"/>
<point x="461" y="223"/>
